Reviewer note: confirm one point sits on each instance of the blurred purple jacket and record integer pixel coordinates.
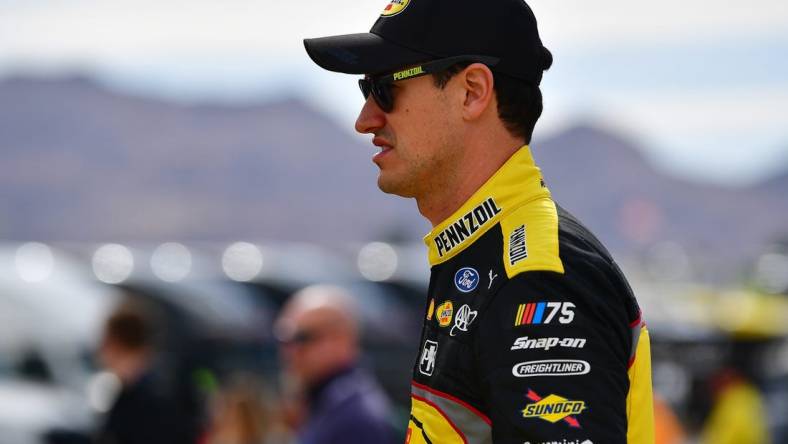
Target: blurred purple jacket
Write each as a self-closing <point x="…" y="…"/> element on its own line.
<point x="349" y="408"/>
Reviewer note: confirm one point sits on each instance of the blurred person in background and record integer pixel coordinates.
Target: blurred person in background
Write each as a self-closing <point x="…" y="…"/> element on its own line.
<point x="531" y="331"/>
<point x="340" y="402"/>
<point x="739" y="414"/>
<point x="240" y="416"/>
<point x="144" y="412"/>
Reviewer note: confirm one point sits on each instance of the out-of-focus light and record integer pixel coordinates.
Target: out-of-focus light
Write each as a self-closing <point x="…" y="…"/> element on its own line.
<point x="668" y="261"/>
<point x="242" y="261"/>
<point x="34" y="262"/>
<point x="102" y="390"/>
<point x="377" y="261"/>
<point x="113" y="263"/>
<point x="171" y="262"/>
<point x="771" y="272"/>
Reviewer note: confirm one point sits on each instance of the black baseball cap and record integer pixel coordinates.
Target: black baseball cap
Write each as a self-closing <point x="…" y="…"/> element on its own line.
<point x="410" y="32"/>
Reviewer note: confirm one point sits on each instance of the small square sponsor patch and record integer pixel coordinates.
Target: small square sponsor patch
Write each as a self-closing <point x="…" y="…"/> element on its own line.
<point x="428" y="355"/>
<point x="444" y="313"/>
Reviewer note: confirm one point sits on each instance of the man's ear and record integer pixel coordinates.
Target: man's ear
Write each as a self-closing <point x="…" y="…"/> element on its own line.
<point x="478" y="81"/>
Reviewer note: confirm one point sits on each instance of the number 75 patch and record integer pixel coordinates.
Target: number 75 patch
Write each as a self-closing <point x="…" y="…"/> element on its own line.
<point x="544" y="313"/>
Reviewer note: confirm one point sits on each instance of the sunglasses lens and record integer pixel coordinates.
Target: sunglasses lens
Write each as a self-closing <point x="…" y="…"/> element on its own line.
<point x="366" y="87"/>
<point x="384" y="97"/>
<point x="301" y="338"/>
<point x="380" y="92"/>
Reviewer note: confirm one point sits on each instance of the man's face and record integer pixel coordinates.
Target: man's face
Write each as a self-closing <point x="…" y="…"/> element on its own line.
<point x="417" y="138"/>
<point x="309" y="353"/>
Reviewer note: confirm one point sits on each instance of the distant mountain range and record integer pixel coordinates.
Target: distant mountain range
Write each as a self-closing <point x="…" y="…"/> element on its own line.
<point x="605" y="180"/>
<point x="80" y="162"/>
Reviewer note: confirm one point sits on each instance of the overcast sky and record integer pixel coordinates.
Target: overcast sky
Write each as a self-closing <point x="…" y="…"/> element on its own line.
<point x="703" y="85"/>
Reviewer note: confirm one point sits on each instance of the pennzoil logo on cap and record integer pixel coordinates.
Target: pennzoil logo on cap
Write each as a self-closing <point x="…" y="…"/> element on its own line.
<point x="395" y="7"/>
<point x="408" y="73"/>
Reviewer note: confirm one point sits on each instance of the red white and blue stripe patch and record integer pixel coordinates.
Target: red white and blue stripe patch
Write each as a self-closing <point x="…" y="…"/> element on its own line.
<point x="532" y="313"/>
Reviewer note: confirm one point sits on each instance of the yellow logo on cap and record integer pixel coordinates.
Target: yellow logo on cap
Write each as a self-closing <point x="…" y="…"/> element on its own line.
<point x="407" y="73"/>
<point x="395" y="7"/>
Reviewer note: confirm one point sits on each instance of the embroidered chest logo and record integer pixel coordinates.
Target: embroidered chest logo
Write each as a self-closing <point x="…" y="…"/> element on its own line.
<point x="466" y="279"/>
<point x="428" y="355"/>
<point x="492" y="277"/>
<point x="544" y="313"/>
<point x="551" y="367"/>
<point x="517" y="248"/>
<point x="463" y="319"/>
<point x="444" y="313"/>
<point x="553" y="408"/>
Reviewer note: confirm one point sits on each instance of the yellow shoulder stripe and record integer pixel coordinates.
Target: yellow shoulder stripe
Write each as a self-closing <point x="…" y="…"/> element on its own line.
<point x="530" y="238"/>
<point x="517" y="184"/>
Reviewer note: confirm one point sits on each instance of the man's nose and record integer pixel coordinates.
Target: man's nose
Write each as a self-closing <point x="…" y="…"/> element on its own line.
<point x="371" y="118"/>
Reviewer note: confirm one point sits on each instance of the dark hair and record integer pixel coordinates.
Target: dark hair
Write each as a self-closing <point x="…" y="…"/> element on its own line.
<point x="131" y="327"/>
<point x="519" y="101"/>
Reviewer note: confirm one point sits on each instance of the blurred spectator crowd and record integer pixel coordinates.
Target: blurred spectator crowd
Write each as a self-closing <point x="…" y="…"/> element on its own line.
<point x="294" y="343"/>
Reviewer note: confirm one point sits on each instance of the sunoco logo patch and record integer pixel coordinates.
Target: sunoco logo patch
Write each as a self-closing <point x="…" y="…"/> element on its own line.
<point x="395" y="7"/>
<point x="553" y="408"/>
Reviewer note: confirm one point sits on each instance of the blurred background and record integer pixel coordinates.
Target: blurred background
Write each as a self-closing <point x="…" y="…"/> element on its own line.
<point x="188" y="154"/>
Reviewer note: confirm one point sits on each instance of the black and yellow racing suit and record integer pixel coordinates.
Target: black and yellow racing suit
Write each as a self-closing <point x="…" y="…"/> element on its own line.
<point x="532" y="334"/>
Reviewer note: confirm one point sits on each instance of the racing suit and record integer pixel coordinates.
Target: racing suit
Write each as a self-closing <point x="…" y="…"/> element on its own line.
<point x="531" y="332"/>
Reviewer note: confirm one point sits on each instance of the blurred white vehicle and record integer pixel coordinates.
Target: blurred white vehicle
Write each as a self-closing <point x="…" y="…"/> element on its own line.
<point x="51" y="314"/>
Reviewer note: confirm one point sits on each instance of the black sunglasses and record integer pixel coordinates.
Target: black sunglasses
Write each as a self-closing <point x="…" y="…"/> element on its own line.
<point x="381" y="86"/>
<point x="304" y="336"/>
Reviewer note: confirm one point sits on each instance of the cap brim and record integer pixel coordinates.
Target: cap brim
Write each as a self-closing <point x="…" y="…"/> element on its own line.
<point x="364" y="53"/>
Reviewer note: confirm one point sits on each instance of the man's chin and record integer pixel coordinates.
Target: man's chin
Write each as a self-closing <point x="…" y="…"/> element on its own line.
<point x="390" y="186"/>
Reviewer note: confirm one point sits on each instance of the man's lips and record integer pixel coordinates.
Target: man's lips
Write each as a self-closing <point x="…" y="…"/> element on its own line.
<point x="381" y="143"/>
<point x="384" y="146"/>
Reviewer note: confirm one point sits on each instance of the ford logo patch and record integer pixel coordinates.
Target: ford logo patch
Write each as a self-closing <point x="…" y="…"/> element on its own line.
<point x="466" y="279"/>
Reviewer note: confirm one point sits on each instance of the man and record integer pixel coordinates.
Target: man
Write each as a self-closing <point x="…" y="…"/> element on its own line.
<point x="531" y="332"/>
<point x="319" y="336"/>
<point x="144" y="411"/>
